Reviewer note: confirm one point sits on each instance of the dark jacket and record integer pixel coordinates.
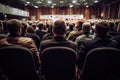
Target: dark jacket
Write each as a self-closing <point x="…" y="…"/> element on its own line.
<point x="86" y="46"/>
<point x="117" y="38"/>
<point x="58" y="41"/>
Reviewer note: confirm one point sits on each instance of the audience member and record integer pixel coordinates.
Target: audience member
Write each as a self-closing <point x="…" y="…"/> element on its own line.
<point x="101" y="40"/>
<point x="49" y="35"/>
<point x="34" y="27"/>
<point x="40" y="32"/>
<point x="70" y="28"/>
<point x="59" y="31"/>
<point x="117" y="38"/>
<point x="112" y="31"/>
<point x="76" y="32"/>
<point x="31" y="34"/>
<point x="86" y="27"/>
<point x="14" y="38"/>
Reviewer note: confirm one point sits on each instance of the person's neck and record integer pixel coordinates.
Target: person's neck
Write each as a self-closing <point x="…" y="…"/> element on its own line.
<point x="59" y="36"/>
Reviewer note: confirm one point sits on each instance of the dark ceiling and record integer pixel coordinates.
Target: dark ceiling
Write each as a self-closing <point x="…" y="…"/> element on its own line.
<point x="53" y="3"/>
<point x="59" y="3"/>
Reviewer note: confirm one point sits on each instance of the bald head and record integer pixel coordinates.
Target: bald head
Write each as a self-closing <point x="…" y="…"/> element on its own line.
<point x="59" y="28"/>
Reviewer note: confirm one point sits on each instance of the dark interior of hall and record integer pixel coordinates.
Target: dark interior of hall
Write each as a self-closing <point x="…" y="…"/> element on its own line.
<point x="101" y="9"/>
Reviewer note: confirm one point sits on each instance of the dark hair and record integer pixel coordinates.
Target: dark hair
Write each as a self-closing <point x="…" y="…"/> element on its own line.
<point x="30" y="29"/>
<point x="40" y="26"/>
<point x="13" y="26"/>
<point x="112" y="26"/>
<point x="71" y="26"/>
<point x="34" y="26"/>
<point x="79" y="25"/>
<point x="102" y="29"/>
<point x="59" y="27"/>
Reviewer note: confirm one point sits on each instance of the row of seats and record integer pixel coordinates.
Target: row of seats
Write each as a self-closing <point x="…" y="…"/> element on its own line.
<point x="59" y="63"/>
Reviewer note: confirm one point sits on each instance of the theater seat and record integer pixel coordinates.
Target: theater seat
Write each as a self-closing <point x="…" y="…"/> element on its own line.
<point x="58" y="63"/>
<point x="16" y="63"/>
<point x="102" y="64"/>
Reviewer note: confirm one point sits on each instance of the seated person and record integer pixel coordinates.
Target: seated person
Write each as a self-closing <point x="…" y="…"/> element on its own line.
<point x="112" y="31"/>
<point x="86" y="33"/>
<point x="31" y="34"/>
<point x="76" y="32"/>
<point x="59" y="31"/>
<point x="49" y="35"/>
<point x="14" y="38"/>
<point x="117" y="37"/>
<point x="41" y="31"/>
<point x="101" y="40"/>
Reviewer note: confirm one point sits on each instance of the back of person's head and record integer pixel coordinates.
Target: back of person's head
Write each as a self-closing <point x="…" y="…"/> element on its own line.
<point x="49" y="26"/>
<point x="14" y="26"/>
<point x="79" y="25"/>
<point x="30" y="29"/>
<point x="34" y="26"/>
<point x="86" y="28"/>
<point x="59" y="28"/>
<point x="112" y="26"/>
<point x="102" y="29"/>
<point x="40" y="26"/>
<point x="71" y="26"/>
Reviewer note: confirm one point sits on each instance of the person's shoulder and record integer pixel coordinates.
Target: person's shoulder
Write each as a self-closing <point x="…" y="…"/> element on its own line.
<point x="3" y="39"/>
<point x="116" y="37"/>
<point x="81" y="36"/>
<point x="88" y="43"/>
<point x="71" y="42"/>
<point x="25" y="39"/>
<point x="46" y="41"/>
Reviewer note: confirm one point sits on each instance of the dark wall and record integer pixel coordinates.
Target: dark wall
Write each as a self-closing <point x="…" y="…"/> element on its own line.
<point x="13" y="3"/>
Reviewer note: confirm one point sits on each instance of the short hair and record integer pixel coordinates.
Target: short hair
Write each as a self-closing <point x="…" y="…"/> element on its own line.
<point x="86" y="27"/>
<point x="102" y="29"/>
<point x="30" y="29"/>
<point x="34" y="26"/>
<point x="59" y="27"/>
<point x="79" y="25"/>
<point x="40" y="26"/>
<point x="71" y="26"/>
<point x="13" y="26"/>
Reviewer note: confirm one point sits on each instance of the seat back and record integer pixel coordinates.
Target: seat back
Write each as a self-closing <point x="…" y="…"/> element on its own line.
<point x="58" y="63"/>
<point x="101" y="64"/>
<point x="17" y="63"/>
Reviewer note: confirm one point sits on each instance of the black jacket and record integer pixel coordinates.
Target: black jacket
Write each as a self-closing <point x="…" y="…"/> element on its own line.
<point x="58" y="41"/>
<point x="86" y="46"/>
